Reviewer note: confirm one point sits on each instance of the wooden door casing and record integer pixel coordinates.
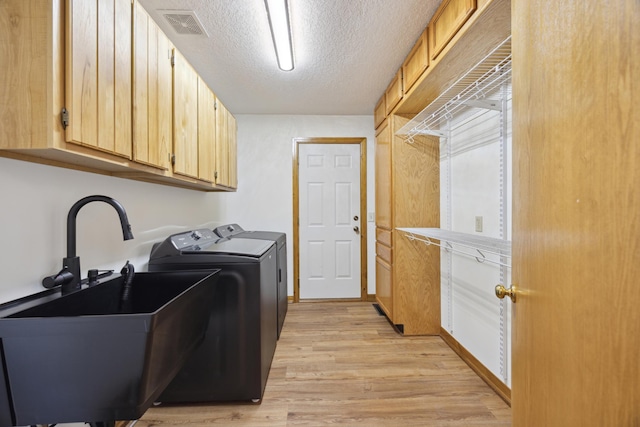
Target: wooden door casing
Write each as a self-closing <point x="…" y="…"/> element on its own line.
<point x="576" y="226"/>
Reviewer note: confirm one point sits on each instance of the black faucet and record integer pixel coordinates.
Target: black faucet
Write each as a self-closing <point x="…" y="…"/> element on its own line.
<point x="69" y="276"/>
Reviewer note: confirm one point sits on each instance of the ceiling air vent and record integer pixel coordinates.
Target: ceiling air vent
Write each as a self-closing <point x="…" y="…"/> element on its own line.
<point x="184" y="22"/>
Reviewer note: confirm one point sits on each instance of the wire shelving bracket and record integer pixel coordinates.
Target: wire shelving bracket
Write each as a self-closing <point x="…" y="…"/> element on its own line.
<point x="469" y="91"/>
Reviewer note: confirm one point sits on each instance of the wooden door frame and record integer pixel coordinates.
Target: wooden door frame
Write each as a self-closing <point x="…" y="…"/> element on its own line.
<point x="363" y="210"/>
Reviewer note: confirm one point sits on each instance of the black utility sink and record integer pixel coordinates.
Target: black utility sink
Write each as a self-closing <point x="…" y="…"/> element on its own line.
<point x="79" y="358"/>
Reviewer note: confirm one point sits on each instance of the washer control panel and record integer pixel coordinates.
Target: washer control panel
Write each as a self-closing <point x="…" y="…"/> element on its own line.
<point x="193" y="238"/>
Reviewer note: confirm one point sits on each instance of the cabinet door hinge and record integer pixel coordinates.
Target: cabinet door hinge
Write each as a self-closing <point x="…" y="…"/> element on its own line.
<point x="64" y="117"/>
<point x="215" y="105"/>
<point x="173" y="59"/>
<point x="215" y="175"/>
<point x="172" y="159"/>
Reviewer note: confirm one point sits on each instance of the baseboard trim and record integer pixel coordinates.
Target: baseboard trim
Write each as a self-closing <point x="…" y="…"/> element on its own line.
<point x="485" y="374"/>
<point x="370" y="298"/>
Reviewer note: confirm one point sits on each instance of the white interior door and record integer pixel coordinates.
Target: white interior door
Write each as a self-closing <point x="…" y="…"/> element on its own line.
<point x="329" y="223"/>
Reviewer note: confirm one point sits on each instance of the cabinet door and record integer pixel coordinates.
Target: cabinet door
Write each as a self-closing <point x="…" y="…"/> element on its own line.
<point x="416" y="63"/>
<point x="384" y="290"/>
<point x="98" y="74"/>
<point x="152" y="92"/>
<point x="185" y="117"/>
<point x="206" y="132"/>
<point x="222" y="145"/>
<point x="380" y="112"/>
<point x="448" y="19"/>
<point x="383" y="175"/>
<point x="393" y="95"/>
<point x="232" y="136"/>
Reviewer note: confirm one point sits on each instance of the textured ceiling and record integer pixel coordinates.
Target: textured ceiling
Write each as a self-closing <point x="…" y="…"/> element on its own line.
<point x="346" y="52"/>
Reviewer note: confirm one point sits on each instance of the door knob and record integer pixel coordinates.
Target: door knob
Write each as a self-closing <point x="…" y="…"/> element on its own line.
<point x="356" y="229"/>
<point x="355" y="218"/>
<point x="502" y="292"/>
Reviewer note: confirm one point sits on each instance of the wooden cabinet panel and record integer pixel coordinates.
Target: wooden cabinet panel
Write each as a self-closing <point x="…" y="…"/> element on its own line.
<point x="407" y="195"/>
<point x="393" y="95"/>
<point x="383" y="236"/>
<point x="206" y="132"/>
<point x="384" y="252"/>
<point x="222" y="147"/>
<point x="416" y="286"/>
<point x="152" y="92"/>
<point x="416" y="63"/>
<point x="232" y="138"/>
<point x="185" y="117"/>
<point x="383" y="175"/>
<point x="450" y="16"/>
<point x="416" y="179"/>
<point x="384" y="290"/>
<point x="98" y="74"/>
<point x="380" y="112"/>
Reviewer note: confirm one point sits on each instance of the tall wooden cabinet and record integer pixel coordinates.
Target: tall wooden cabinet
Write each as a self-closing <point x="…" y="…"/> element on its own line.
<point x="407" y="272"/>
<point x="459" y="35"/>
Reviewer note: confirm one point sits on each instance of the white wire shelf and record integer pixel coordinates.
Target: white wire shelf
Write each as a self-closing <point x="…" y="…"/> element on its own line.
<point x="480" y="244"/>
<point x="471" y="90"/>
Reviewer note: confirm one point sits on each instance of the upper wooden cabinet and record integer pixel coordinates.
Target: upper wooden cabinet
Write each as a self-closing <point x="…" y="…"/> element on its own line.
<point x="152" y="92"/>
<point x="448" y="19"/>
<point x="393" y="95"/>
<point x="416" y="62"/>
<point x="185" y="117"/>
<point x="232" y="141"/>
<point x="380" y="112"/>
<point x="222" y="147"/>
<point x="206" y="132"/>
<point x="98" y="74"/>
<point x="90" y="87"/>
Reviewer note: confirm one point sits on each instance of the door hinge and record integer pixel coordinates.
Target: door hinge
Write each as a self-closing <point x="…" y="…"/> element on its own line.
<point x="173" y="59"/>
<point x="215" y="105"/>
<point x="64" y="118"/>
<point x="172" y="159"/>
<point x="215" y="175"/>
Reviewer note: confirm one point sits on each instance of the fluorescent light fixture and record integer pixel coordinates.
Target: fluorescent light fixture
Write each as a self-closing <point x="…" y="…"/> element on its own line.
<point x="278" y="13"/>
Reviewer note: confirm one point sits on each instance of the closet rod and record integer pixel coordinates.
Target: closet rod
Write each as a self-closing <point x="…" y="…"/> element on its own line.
<point x="449" y="247"/>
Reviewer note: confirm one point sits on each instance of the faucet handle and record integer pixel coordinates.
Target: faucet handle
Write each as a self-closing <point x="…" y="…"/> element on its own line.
<point x="61" y="278"/>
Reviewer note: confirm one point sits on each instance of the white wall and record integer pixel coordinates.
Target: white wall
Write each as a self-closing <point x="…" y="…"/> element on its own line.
<point x="35" y="202"/>
<point x="36" y="199"/>
<point x="264" y="200"/>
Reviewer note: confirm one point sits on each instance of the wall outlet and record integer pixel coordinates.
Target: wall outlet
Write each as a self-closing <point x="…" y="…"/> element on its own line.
<point x="478" y="223"/>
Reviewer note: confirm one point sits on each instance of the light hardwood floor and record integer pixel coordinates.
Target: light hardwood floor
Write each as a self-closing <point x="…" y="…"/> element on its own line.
<point x="342" y="364"/>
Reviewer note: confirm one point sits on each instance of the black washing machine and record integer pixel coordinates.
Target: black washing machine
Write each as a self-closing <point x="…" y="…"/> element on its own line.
<point x="234" y="360"/>
<point x="235" y="231"/>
